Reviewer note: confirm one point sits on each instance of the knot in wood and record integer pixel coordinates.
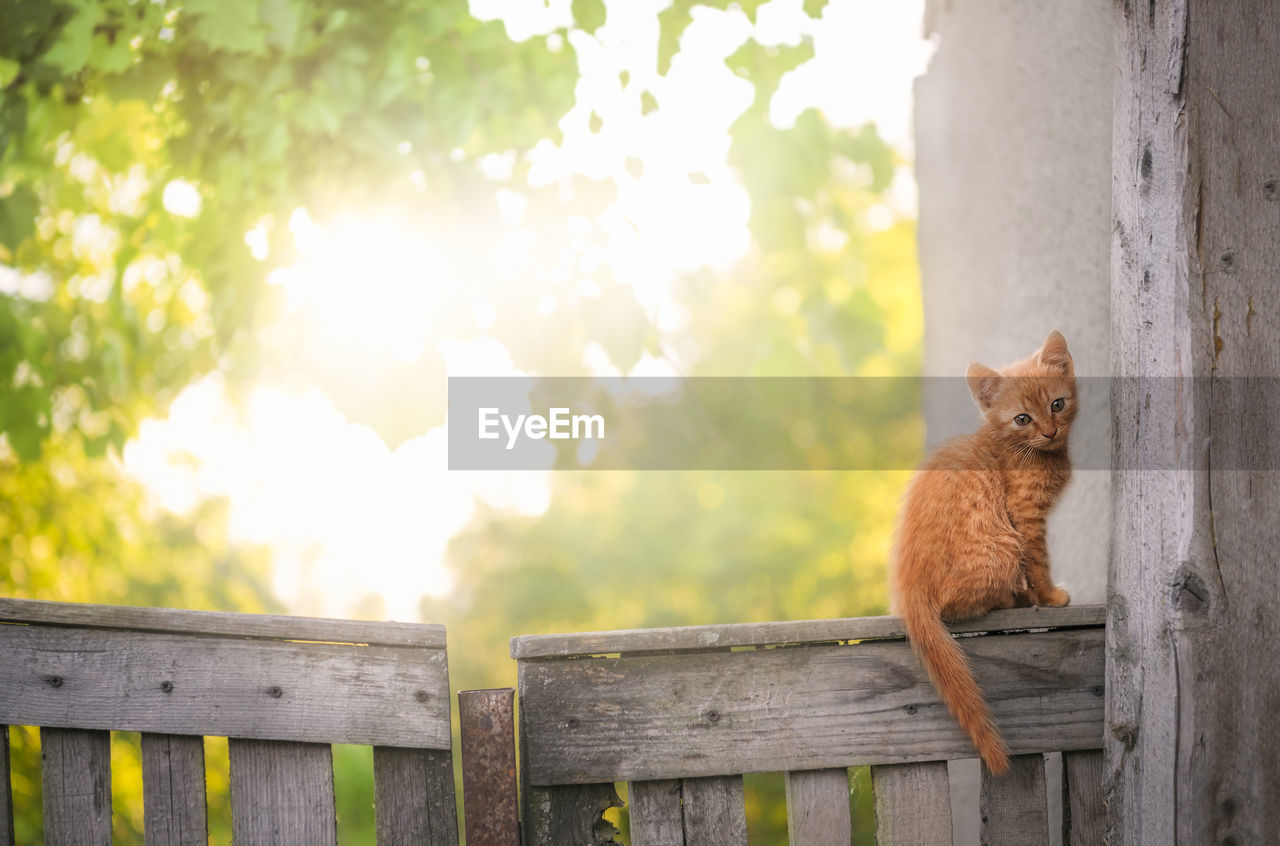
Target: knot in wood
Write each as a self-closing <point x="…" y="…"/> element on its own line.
<point x="422" y="696"/>
<point x="1126" y="734"/>
<point x="1190" y="593"/>
<point x="1271" y="189"/>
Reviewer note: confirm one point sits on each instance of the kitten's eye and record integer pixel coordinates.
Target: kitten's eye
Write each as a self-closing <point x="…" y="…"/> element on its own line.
<point x="1058" y="404"/>
<point x="1022" y="419"/>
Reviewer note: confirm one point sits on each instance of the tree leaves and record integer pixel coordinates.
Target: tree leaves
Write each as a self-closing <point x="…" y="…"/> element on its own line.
<point x="17" y="219"/>
<point x="70" y="51"/>
<point x="233" y="26"/>
<point x="588" y="14"/>
<point x="265" y="105"/>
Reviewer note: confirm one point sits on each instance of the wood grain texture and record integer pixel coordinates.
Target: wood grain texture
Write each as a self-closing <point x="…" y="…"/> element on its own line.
<point x="657" y="818"/>
<point x="187" y="684"/>
<point x="715" y="811"/>
<point x="913" y="804"/>
<point x="414" y="797"/>
<point x="282" y="794"/>
<point x="1014" y="807"/>
<point x="570" y="815"/>
<point x="814" y="707"/>
<point x="1084" y="815"/>
<point x="76" y="780"/>
<point x="697" y="638"/>
<point x="173" y="796"/>
<point x="818" y="807"/>
<point x="178" y="621"/>
<point x="6" y="791"/>
<point x="1192" y="750"/>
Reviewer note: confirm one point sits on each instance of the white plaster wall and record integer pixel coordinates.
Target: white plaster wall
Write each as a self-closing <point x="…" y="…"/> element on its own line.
<point x="1013" y="159"/>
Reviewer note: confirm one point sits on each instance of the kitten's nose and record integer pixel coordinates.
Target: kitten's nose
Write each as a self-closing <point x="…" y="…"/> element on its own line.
<point x="1050" y="434"/>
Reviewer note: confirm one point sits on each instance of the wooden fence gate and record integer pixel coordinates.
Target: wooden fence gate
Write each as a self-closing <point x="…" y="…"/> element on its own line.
<point x="282" y="688"/>
<point x="681" y="714"/>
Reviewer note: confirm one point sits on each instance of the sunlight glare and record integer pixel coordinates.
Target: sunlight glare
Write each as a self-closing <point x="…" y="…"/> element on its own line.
<point x="368" y="280"/>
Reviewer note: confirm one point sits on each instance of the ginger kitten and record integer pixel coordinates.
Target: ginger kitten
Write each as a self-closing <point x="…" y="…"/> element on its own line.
<point x="971" y="536"/>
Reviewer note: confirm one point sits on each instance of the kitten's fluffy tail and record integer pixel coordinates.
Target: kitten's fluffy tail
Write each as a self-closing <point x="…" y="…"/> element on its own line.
<point x="950" y="673"/>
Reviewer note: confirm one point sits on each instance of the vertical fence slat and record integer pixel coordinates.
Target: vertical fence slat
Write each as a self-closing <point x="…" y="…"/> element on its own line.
<point x="1083" y="815"/>
<point x="486" y="719"/>
<point x="818" y="807"/>
<point x="282" y="793"/>
<point x="571" y="813"/>
<point x="414" y="800"/>
<point x="173" y="799"/>
<point x="6" y="792"/>
<point x="656" y="816"/>
<point x="1014" y="808"/>
<point x="715" y="811"/>
<point x="913" y="804"/>
<point x="76" y="777"/>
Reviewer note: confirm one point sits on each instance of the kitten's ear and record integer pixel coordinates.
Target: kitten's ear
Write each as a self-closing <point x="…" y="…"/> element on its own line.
<point x="984" y="384"/>
<point x="1055" y="354"/>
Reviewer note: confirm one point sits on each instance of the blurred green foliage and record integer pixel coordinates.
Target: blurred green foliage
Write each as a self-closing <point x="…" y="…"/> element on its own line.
<point x="112" y="301"/>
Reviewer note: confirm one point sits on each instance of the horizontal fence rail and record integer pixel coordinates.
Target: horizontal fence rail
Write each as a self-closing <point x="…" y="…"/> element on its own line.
<point x="681" y="714"/>
<point x="283" y="689"/>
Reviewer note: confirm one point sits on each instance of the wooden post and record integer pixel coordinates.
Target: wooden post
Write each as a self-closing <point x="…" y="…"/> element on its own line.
<point x="489" y="793"/>
<point x="6" y="793"/>
<point x="1192" y="747"/>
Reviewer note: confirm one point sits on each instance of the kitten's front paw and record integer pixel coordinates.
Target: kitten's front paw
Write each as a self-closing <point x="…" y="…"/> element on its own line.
<point x="1056" y="597"/>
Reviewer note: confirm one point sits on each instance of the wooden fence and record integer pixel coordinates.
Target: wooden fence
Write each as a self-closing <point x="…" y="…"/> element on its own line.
<point x="678" y="714"/>
<point x="282" y="688"/>
<point x="681" y="714"/>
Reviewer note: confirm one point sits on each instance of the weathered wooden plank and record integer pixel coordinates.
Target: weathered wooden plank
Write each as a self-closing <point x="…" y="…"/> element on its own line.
<point x="1192" y="747"/>
<point x="173" y="798"/>
<point x="414" y="799"/>
<point x="76" y="780"/>
<point x="181" y="621"/>
<point x="715" y="811"/>
<point x="6" y="791"/>
<point x="1084" y="815"/>
<point x="657" y="818"/>
<point x="913" y="804"/>
<point x="282" y="793"/>
<point x="694" y="638"/>
<point x="186" y="684"/>
<point x="487" y="735"/>
<point x="815" y="707"/>
<point x="1014" y="807"/>
<point x="570" y="814"/>
<point x="818" y="807"/>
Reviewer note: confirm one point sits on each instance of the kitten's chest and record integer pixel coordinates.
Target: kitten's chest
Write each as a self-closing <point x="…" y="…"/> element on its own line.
<point x="1032" y="492"/>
